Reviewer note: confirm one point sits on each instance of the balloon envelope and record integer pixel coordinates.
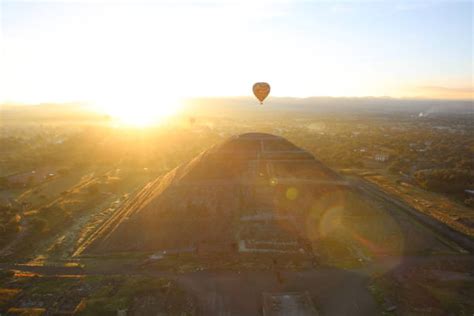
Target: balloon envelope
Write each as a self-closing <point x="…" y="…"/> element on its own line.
<point x="261" y="90"/>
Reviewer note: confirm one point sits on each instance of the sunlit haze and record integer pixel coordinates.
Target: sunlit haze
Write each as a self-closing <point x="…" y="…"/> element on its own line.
<point x="126" y="56"/>
<point x="236" y="157"/>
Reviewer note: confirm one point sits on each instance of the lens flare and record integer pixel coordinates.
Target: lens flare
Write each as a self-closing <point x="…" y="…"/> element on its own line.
<point x="292" y="193"/>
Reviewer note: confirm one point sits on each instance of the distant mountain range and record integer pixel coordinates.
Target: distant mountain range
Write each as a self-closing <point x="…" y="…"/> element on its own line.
<point x="226" y="105"/>
<point x="336" y="104"/>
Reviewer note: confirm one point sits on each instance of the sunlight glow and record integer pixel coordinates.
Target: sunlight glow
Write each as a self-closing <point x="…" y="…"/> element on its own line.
<point x="139" y="111"/>
<point x="60" y="53"/>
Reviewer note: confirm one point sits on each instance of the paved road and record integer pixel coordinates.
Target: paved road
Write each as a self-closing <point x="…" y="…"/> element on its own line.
<point x="447" y="232"/>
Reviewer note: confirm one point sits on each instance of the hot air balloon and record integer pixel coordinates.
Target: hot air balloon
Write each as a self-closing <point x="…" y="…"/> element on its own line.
<point x="261" y="90"/>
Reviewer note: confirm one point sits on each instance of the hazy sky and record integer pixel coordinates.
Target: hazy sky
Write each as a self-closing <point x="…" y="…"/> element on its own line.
<point x="109" y="50"/>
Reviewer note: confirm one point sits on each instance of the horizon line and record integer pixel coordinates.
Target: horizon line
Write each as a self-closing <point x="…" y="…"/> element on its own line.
<point x="405" y="98"/>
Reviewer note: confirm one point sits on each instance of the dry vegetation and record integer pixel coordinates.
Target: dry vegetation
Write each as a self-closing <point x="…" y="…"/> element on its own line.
<point x="61" y="180"/>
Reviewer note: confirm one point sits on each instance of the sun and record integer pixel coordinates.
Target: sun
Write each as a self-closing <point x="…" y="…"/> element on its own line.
<point x="139" y="111"/>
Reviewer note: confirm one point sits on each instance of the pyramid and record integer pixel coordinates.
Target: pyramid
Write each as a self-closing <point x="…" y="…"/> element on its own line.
<point x="252" y="191"/>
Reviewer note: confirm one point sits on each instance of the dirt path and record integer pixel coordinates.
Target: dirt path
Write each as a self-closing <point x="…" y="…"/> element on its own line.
<point x="333" y="291"/>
